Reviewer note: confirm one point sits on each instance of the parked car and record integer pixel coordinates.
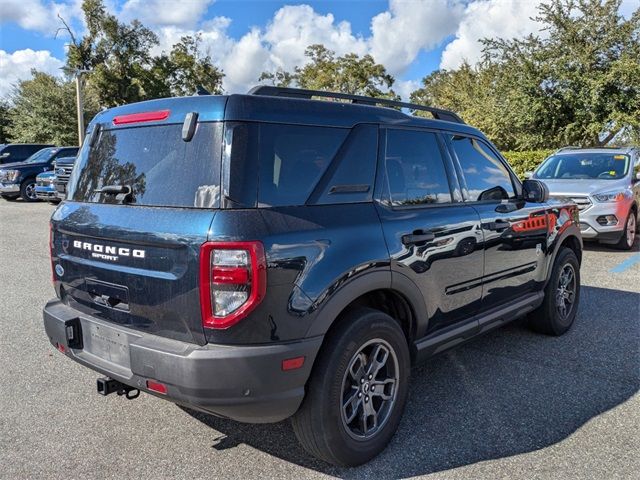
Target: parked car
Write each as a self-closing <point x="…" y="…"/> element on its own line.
<point x="605" y="184"/>
<point x="18" y="152"/>
<point x="64" y="166"/>
<point x="46" y="188"/>
<point x="19" y="179"/>
<point x="270" y="255"/>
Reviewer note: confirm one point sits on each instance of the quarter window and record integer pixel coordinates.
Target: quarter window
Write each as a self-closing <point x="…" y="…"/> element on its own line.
<point x="487" y="178"/>
<point x="415" y="169"/>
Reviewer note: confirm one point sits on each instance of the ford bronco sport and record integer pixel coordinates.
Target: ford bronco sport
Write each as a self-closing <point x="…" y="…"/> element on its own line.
<point x="271" y="255"/>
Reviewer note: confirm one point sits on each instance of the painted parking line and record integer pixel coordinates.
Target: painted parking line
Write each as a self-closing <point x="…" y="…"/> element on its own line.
<point x="625" y="265"/>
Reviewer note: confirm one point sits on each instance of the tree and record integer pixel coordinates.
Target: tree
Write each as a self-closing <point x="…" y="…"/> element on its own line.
<point x="185" y="69"/>
<point x="44" y="110"/>
<point x="347" y="74"/>
<point x="121" y="64"/>
<point x="5" y="120"/>
<point x="577" y="85"/>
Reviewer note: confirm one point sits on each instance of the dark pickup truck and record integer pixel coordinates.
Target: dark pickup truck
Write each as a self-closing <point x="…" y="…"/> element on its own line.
<point x="19" y="179"/>
<point x="271" y="255"/>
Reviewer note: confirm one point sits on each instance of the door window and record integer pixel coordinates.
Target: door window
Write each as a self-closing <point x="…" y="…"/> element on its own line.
<point x="415" y="169"/>
<point x="487" y="178"/>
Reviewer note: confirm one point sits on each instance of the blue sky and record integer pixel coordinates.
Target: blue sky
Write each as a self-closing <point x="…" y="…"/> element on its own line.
<point x="245" y="37"/>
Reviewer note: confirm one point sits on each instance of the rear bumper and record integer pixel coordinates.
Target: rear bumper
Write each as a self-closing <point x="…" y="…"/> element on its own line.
<point x="244" y="383"/>
<point x="9" y="188"/>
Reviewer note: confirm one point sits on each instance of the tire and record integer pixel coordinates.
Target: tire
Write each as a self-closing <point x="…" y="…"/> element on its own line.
<point x="27" y="190"/>
<point x="321" y="424"/>
<point x="629" y="233"/>
<point x="548" y="317"/>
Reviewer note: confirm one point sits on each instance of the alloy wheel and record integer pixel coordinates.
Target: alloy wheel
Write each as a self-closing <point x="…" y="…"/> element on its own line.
<point x="631" y="229"/>
<point x="31" y="191"/>
<point x="369" y="389"/>
<point x="566" y="291"/>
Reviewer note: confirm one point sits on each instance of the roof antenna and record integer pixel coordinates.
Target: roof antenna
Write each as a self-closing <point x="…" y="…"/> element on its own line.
<point x="200" y="90"/>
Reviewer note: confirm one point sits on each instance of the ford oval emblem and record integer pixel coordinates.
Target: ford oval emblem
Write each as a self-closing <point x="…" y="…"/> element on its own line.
<point x="59" y="270"/>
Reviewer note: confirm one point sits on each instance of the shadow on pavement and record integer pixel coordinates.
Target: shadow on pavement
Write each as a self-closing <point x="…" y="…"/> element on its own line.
<point x="506" y="393"/>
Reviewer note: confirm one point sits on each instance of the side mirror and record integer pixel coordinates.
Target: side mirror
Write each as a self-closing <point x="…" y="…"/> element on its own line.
<point x="535" y="191"/>
<point x="528" y="175"/>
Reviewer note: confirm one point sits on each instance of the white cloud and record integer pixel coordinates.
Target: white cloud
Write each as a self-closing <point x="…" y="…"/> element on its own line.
<point x="294" y="28"/>
<point x="18" y="65"/>
<point x="40" y="16"/>
<point x="29" y="14"/>
<point x="405" y="87"/>
<point x="182" y="13"/>
<point x="400" y="33"/>
<point x="489" y="19"/>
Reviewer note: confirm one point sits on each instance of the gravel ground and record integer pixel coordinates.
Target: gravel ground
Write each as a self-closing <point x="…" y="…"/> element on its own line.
<point x="511" y="404"/>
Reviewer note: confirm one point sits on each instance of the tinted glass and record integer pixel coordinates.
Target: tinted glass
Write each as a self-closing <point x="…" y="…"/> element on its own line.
<point x="487" y="178"/>
<point x="415" y="170"/>
<point x="155" y="162"/>
<point x="350" y="177"/>
<point x="41" y="155"/>
<point x="585" y="166"/>
<point x="292" y="160"/>
<point x="66" y="152"/>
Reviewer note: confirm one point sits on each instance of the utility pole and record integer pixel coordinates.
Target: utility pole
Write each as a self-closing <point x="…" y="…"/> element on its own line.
<point x="80" y="105"/>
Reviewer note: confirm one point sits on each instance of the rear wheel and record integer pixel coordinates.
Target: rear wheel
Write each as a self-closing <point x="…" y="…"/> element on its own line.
<point x="28" y="190"/>
<point x="357" y="391"/>
<point x="561" y="296"/>
<point x="629" y="235"/>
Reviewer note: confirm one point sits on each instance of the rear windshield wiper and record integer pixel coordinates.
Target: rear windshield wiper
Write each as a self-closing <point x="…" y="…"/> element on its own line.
<point x="122" y="192"/>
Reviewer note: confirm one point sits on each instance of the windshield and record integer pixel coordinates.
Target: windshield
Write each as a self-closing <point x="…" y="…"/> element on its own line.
<point x="584" y="166"/>
<point x="41" y="156"/>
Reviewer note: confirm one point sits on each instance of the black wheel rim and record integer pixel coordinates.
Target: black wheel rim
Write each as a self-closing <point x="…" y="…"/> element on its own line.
<point x="369" y="388"/>
<point x="566" y="292"/>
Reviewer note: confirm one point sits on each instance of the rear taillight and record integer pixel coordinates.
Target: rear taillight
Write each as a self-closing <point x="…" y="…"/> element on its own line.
<point x="233" y="281"/>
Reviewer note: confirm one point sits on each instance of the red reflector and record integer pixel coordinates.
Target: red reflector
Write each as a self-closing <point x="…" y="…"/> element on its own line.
<point x="60" y="347"/>
<point x="157" y="387"/>
<point x="141" y="117"/>
<point x="234" y="275"/>
<point x="292" y="363"/>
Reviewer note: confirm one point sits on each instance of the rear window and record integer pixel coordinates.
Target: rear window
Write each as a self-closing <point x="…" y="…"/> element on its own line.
<point x="160" y="168"/>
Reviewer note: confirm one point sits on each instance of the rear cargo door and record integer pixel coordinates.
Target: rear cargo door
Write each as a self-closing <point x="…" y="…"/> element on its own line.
<point x="126" y="244"/>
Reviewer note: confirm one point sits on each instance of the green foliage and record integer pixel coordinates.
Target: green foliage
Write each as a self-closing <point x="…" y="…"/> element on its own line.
<point x="185" y="69"/>
<point x="578" y="85"/>
<point x="122" y="67"/>
<point x="350" y="74"/>
<point x="5" y="120"/>
<point x="44" y="111"/>
<point x="526" y="160"/>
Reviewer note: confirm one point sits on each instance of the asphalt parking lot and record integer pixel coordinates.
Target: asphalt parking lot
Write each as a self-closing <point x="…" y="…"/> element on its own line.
<point x="511" y="404"/>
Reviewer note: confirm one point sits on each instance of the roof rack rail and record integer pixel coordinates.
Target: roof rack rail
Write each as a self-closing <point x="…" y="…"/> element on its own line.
<point x="268" y="90"/>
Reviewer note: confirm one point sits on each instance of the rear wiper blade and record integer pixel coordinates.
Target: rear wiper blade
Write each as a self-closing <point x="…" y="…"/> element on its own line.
<point x="122" y="192"/>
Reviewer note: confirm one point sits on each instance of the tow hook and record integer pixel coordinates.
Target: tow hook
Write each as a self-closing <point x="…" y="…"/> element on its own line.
<point x="107" y="386"/>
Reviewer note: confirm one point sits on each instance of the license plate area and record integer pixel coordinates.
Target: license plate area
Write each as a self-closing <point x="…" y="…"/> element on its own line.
<point x="106" y="343"/>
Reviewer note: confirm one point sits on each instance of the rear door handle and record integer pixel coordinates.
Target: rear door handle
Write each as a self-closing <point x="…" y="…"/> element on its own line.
<point x="497" y="225"/>
<point x="417" y="237"/>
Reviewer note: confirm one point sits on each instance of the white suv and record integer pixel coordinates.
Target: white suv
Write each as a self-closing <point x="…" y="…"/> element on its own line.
<point x="604" y="183"/>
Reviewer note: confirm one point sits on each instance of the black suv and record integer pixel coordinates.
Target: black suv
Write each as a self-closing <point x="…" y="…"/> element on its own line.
<point x="270" y="255"/>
